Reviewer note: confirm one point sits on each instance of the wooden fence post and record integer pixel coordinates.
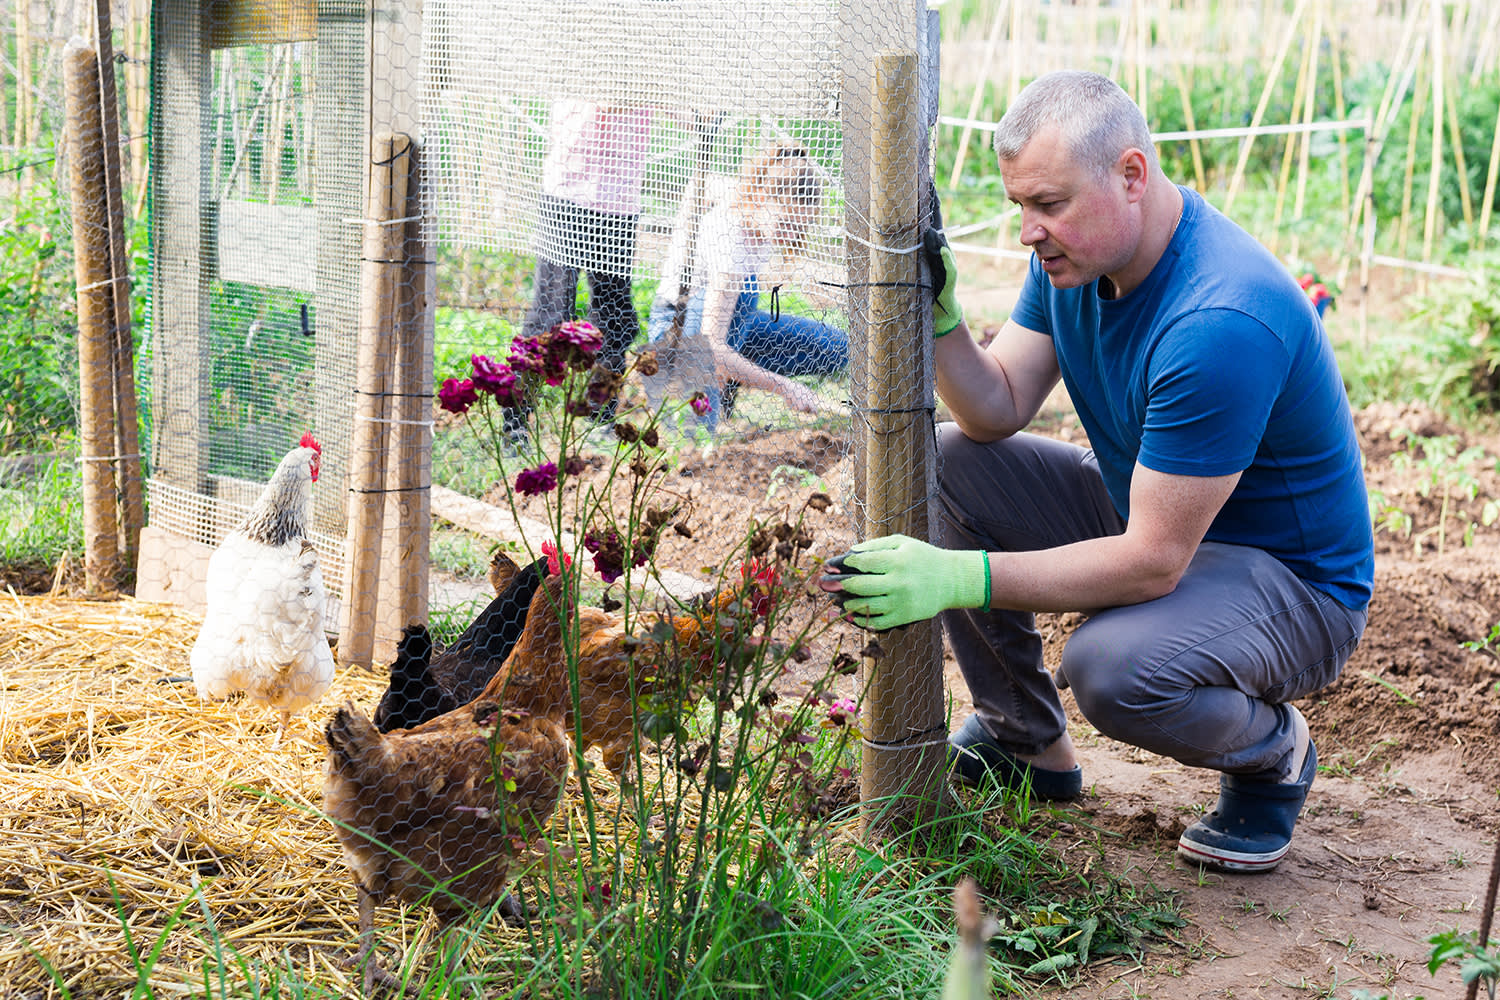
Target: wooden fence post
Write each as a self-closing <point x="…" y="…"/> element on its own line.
<point x="902" y="777"/>
<point x="381" y="275"/>
<point x="95" y="279"/>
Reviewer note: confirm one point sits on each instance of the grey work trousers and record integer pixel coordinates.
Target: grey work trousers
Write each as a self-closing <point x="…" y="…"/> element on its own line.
<point x="1197" y="675"/>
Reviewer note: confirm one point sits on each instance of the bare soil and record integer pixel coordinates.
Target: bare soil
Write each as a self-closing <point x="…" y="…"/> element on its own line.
<point x="1396" y="841"/>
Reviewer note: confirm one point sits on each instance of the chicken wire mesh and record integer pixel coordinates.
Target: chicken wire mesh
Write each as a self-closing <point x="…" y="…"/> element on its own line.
<point x="744" y="191"/>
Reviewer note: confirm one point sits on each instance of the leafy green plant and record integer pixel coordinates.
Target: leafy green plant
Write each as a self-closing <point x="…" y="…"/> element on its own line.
<point x="41" y="510"/>
<point x="1447" y="472"/>
<point x="1476" y="961"/>
<point x="1460" y="336"/>
<point x="1488" y="644"/>
<point x="38" y="332"/>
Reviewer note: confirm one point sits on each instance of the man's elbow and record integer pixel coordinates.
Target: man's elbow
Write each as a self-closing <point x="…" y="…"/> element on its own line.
<point x="1158" y="580"/>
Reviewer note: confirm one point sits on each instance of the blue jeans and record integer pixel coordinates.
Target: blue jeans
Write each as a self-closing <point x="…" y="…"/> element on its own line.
<point x="786" y="344"/>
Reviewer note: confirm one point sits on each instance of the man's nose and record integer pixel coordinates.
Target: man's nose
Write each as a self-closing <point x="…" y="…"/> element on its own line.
<point x="1032" y="231"/>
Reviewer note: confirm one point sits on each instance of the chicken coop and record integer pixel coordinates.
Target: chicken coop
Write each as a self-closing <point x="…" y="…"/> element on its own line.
<point x="328" y="175"/>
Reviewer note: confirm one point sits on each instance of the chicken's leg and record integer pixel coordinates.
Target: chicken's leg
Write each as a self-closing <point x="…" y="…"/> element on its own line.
<point x="365" y="956"/>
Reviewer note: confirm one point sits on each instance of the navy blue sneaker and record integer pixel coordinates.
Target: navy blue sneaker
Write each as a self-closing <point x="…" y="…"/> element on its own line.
<point x="1250" y="829"/>
<point x="973" y="754"/>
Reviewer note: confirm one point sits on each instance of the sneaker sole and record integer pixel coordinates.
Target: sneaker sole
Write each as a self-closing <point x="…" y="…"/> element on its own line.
<point x="1229" y="861"/>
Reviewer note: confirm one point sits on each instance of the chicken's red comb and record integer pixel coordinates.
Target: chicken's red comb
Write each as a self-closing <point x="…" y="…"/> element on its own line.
<point x="308" y="441"/>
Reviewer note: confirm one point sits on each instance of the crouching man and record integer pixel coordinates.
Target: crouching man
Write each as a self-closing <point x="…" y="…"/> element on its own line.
<point x="1218" y="530"/>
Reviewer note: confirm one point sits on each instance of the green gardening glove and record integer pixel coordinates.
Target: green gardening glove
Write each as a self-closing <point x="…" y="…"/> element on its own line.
<point x="899" y="580"/>
<point x="946" y="312"/>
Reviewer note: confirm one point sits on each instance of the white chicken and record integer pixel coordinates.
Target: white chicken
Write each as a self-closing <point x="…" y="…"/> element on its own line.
<point x="263" y="627"/>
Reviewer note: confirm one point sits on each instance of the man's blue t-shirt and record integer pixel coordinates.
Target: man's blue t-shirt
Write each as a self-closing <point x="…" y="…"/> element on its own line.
<point x="1219" y="364"/>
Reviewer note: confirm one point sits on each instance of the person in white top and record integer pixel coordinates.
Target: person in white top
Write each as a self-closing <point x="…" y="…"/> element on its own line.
<point x="587" y="218"/>
<point x="725" y="340"/>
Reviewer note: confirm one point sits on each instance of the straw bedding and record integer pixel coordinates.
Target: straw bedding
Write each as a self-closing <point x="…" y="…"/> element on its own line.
<point x="124" y="795"/>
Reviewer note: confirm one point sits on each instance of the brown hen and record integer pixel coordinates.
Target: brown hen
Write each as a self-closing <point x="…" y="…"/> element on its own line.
<point x="438" y="813"/>
<point x="640" y="678"/>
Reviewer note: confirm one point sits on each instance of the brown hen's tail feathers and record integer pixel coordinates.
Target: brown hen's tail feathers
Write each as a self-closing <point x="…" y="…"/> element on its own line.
<point x="347" y="731"/>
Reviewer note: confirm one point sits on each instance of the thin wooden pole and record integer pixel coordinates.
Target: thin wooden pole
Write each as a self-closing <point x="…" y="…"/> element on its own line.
<point x="1290" y="149"/>
<point x="95" y="279"/>
<point x="1194" y="146"/>
<point x="1460" y="166"/>
<point x="384" y="240"/>
<point x="1403" y="67"/>
<point x="1408" y="181"/>
<point x="991" y="44"/>
<point x="1265" y="99"/>
<point x="905" y="732"/>
<point x="1491" y="177"/>
<point x="1435" y="167"/>
<point x="127" y="467"/>
<point x="1309" y="110"/>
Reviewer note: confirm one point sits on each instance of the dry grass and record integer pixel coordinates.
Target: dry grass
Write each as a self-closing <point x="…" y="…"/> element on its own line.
<point x="125" y="795"/>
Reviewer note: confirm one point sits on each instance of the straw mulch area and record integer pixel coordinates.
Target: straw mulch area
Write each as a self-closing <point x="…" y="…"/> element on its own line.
<point x="126" y="798"/>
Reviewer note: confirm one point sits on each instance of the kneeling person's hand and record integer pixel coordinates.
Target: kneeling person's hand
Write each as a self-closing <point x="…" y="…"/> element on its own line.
<point x="896" y="580"/>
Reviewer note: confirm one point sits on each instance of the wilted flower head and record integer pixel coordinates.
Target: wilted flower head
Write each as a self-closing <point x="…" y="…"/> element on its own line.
<point x="575" y="343"/>
<point x="497" y="379"/>
<point x="530" y="354"/>
<point x="456" y="396"/>
<point x="604" y="385"/>
<point x="610" y="553"/>
<point x="542" y="479"/>
<point x="700" y="404"/>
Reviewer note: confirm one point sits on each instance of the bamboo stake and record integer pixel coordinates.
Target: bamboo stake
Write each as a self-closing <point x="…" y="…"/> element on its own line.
<point x="1461" y="167"/>
<point x="1403" y="68"/>
<point x="904" y="726"/>
<point x="1142" y="83"/>
<point x="1265" y="99"/>
<point x="991" y="44"/>
<point x="1435" y="168"/>
<point x="93" y="272"/>
<point x="1489" y="42"/>
<point x="1408" y="184"/>
<point x="1016" y="22"/>
<point x="1433" y="208"/>
<point x="5" y="91"/>
<point x="1336" y="57"/>
<point x="25" y="85"/>
<point x="127" y="468"/>
<point x="390" y="164"/>
<point x="138" y="100"/>
<point x="1289" y="150"/>
<point x="1122" y="38"/>
<point x="1184" y="94"/>
<point x="1492" y="175"/>
<point x="1309" y="110"/>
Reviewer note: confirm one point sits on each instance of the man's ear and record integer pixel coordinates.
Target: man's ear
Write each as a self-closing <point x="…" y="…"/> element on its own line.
<point x="1133" y="171"/>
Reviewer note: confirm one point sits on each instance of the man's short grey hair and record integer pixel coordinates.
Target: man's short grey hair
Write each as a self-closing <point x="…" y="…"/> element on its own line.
<point x="1097" y="120"/>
